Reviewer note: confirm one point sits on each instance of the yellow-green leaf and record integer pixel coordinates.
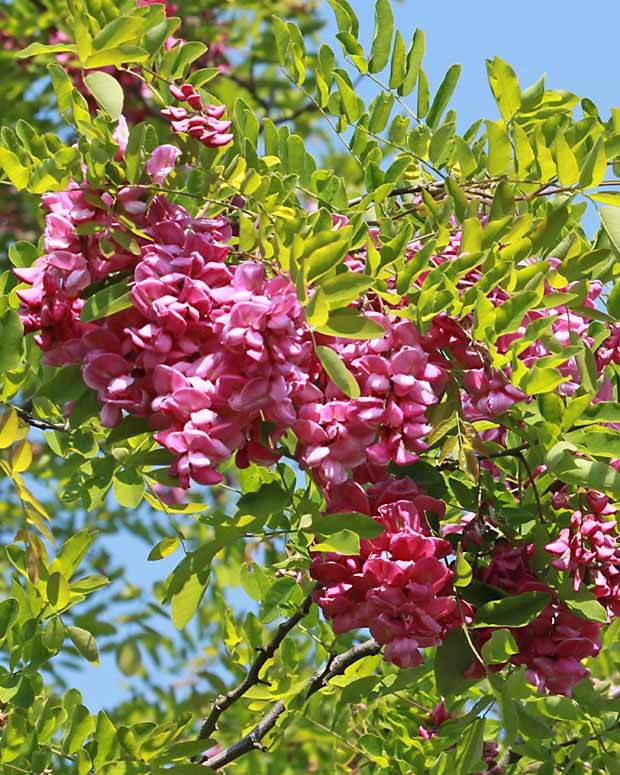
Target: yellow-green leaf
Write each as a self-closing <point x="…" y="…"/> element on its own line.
<point x="338" y="372"/>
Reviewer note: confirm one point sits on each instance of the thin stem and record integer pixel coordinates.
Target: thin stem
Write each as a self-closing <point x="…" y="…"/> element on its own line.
<point x="532" y="481"/>
<point x="224" y="701"/>
<point x="252" y="741"/>
<point x="36" y="422"/>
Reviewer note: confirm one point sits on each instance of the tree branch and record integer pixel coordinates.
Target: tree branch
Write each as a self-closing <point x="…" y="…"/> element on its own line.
<point x="224" y="701"/>
<point x="308" y="107"/>
<point x="36" y="422"/>
<point x="252" y="741"/>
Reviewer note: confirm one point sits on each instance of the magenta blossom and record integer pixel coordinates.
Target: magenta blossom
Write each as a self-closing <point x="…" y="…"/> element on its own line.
<point x="161" y="162"/>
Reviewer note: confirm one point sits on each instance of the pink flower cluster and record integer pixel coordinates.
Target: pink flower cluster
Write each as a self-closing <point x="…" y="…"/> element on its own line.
<point x="398" y="587"/>
<point x="398" y="380"/>
<point x="588" y="551"/>
<point x="204" y="124"/>
<point x="400" y="376"/>
<point x="554" y="643"/>
<point x="210" y="353"/>
<point x="218" y="356"/>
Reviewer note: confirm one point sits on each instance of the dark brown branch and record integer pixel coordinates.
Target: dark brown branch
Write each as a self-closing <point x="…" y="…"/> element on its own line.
<point x="224" y="701"/>
<point x="531" y="480"/>
<point x="252" y="741"/>
<point x="250" y="87"/>
<point x="308" y="107"/>
<point x="512" y="452"/>
<point x="415" y="189"/>
<point x="35" y="422"/>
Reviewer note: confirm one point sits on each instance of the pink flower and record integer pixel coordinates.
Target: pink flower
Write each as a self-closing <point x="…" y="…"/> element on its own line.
<point x="398" y="587"/>
<point x="588" y="551"/>
<point x="121" y="137"/>
<point x="491" y="394"/>
<point x="552" y="645"/>
<point x="161" y="162"/>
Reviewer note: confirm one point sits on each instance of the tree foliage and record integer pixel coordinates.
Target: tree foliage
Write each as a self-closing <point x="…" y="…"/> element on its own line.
<point x="351" y="372"/>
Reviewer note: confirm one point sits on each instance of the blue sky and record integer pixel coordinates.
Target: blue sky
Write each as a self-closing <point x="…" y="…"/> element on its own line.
<point x="573" y="42"/>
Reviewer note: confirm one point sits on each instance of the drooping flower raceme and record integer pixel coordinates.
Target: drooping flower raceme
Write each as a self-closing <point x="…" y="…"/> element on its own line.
<point x="399" y="586"/>
<point x="551" y="646"/>
<point x="588" y="551"/>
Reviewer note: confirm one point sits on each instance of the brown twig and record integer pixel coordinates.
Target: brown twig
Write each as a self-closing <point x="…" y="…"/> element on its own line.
<point x="35" y="422"/>
<point x="224" y="701"/>
<point x="252" y="741"/>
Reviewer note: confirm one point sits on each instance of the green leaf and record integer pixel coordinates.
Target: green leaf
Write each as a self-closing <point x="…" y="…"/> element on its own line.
<point x="596" y="443"/>
<point x="606" y="411"/>
<point x="9" y="428"/>
<point x="58" y="592"/>
<point x="380" y="114"/>
<point x="470" y="749"/>
<point x="351" y="325"/>
<point x="73" y="552"/>
<point x="88" y="584"/>
<point x="185" y="601"/>
<point x="463" y="571"/>
<point x="595" y="166"/>
<point x="105" y="737"/>
<point x="129" y="488"/>
<point x="180" y="769"/>
<point x="361" y="524"/>
<point x="452" y="660"/>
<point x="414" y="62"/>
<point x="396" y="247"/>
<point x="270" y="498"/>
<point x="338" y="372"/>
<point x="11" y="335"/>
<point x="343" y="542"/>
<point x="123" y="29"/>
<point x="598" y="476"/>
<point x="583" y="602"/>
<point x="107" y="91"/>
<point x="84" y="643"/>
<point x="532" y="725"/>
<point x="607" y="198"/>
<point x="23" y="254"/>
<point x="397" y="69"/>
<point x="610" y="219"/>
<point x="613" y="302"/>
<point x="382" y="40"/>
<point x="541" y="380"/>
<point x="443" y="96"/>
<point x="500" y="149"/>
<point x="165" y="547"/>
<point x="82" y="724"/>
<point x="54" y="634"/>
<point x="505" y="87"/>
<point x="349" y="98"/>
<point x="345" y="287"/>
<point x="106" y="302"/>
<point x="499" y="648"/>
<point x="324" y="252"/>
<point x="16" y="172"/>
<point x="345" y="16"/>
<point x="9" y="613"/>
<point x="514" y="611"/>
<point x="427" y="475"/>
<point x="128" y="658"/>
<point x="424" y="96"/>
<point x="568" y="168"/>
<point x="116" y="56"/>
<point x="35" y="49"/>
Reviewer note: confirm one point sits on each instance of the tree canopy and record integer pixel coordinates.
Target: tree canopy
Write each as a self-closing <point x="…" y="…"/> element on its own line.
<point x="356" y="370"/>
